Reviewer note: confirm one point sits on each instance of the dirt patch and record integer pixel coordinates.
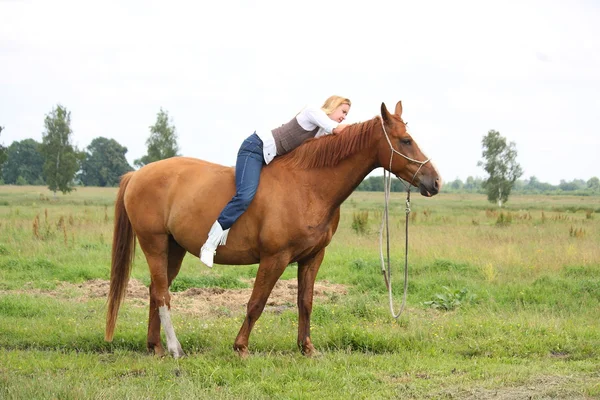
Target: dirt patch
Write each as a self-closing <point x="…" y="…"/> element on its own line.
<point x="544" y="387"/>
<point x="100" y="287"/>
<point x="197" y="301"/>
<point x="233" y="301"/>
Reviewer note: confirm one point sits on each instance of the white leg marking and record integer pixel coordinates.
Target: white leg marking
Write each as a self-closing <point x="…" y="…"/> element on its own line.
<point x="172" y="343"/>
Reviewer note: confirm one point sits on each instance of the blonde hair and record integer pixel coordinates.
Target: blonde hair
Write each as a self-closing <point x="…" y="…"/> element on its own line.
<point x="334" y="102"/>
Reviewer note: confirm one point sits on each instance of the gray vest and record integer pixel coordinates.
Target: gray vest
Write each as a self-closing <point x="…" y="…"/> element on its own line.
<point x="291" y="135"/>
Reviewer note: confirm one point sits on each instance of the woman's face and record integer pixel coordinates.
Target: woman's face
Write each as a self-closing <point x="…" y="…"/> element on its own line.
<point x="340" y="113"/>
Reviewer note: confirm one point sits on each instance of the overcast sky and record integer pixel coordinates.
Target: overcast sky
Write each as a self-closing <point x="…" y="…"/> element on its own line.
<point x="222" y="69"/>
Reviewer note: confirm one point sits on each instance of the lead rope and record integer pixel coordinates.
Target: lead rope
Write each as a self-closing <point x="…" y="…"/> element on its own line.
<point x="387" y="273"/>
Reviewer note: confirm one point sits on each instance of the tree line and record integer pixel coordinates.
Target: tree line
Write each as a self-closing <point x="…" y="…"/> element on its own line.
<point x="503" y="173"/>
<point x="57" y="163"/>
<point x="531" y="185"/>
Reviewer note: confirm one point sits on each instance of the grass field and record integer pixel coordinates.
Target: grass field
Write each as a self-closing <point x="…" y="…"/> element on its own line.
<point x="500" y="305"/>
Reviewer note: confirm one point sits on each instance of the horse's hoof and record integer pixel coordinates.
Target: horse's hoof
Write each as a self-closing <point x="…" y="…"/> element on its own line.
<point x="307" y="349"/>
<point x="177" y="353"/>
<point x="311" y="353"/>
<point x="158" y="351"/>
<point x="242" y="351"/>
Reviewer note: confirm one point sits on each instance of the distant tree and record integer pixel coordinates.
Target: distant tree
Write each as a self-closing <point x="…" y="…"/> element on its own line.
<point x="2" y="154"/>
<point x="104" y="163"/>
<point x="372" y="184"/>
<point x="398" y="185"/>
<point x="470" y="183"/>
<point x="500" y="162"/>
<point x="457" y="184"/>
<point x="61" y="158"/>
<point x="575" y="184"/>
<point x="519" y="185"/>
<point x="162" y="142"/>
<point x="594" y="184"/>
<point x="534" y="185"/>
<point x="24" y="159"/>
<point x="377" y="184"/>
<point x="364" y="186"/>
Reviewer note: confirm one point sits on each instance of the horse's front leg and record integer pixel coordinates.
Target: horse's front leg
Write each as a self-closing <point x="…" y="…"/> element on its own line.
<point x="269" y="271"/>
<point x="307" y="273"/>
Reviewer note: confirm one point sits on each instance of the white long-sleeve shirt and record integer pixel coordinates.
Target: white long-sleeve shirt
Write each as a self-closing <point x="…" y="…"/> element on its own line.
<point x="309" y="119"/>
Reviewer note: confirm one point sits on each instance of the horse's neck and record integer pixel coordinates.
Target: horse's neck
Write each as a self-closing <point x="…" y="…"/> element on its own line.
<point x="338" y="182"/>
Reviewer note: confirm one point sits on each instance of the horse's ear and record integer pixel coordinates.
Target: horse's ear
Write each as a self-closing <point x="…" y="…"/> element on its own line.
<point x="385" y="114"/>
<point x="399" y="109"/>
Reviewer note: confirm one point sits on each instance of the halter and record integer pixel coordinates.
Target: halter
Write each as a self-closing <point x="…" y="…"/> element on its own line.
<point x="387" y="275"/>
<point x="421" y="163"/>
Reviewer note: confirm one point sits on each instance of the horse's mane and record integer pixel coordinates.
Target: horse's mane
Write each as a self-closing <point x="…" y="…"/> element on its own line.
<point x="329" y="150"/>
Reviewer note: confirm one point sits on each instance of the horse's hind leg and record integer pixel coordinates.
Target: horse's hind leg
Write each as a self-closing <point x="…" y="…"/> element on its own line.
<point x="269" y="271"/>
<point x="176" y="254"/>
<point x="307" y="273"/>
<point x="164" y="258"/>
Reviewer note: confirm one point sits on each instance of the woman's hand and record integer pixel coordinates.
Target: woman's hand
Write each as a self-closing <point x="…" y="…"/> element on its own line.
<point x="339" y="128"/>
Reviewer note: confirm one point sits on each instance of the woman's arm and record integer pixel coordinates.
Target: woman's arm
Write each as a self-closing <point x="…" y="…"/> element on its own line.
<point x="310" y="117"/>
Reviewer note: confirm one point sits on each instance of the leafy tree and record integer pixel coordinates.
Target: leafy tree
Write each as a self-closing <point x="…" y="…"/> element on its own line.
<point x="162" y="142"/>
<point x="457" y="184"/>
<point x="594" y="184"/>
<point x="61" y="158"/>
<point x="533" y="183"/>
<point x="104" y="163"/>
<point x="575" y="184"/>
<point x="377" y="184"/>
<point x="2" y="154"/>
<point x="470" y="183"/>
<point x="535" y="186"/>
<point x="500" y="162"/>
<point x="24" y="159"/>
<point x="519" y="185"/>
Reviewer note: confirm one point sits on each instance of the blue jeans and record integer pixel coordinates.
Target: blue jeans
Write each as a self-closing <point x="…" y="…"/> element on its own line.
<point x="250" y="160"/>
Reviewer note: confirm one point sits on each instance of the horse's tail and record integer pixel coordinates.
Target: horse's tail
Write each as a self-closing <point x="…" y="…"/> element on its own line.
<point x="123" y="251"/>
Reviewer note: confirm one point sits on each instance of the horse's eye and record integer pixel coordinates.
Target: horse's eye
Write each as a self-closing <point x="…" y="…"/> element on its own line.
<point x="407" y="142"/>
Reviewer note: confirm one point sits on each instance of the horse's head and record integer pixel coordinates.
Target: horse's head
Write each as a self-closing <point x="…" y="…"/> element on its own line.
<point x="400" y="154"/>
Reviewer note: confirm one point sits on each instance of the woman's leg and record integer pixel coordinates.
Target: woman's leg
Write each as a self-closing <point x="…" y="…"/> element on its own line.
<point x="247" y="175"/>
<point x="249" y="163"/>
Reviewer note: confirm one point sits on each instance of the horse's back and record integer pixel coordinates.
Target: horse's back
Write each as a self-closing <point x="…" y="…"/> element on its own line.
<point x="180" y="166"/>
<point x="179" y="196"/>
<point x="177" y="179"/>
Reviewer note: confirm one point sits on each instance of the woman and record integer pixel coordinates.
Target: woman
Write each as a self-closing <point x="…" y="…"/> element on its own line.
<point x="260" y="149"/>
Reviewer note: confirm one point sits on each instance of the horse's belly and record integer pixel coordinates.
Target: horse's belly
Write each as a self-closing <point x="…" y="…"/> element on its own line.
<point x="227" y="256"/>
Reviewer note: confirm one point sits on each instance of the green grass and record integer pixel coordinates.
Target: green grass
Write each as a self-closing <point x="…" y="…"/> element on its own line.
<point x="525" y="326"/>
<point x="183" y="282"/>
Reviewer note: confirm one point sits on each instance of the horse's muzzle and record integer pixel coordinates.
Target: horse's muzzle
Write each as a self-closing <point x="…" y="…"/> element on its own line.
<point x="430" y="186"/>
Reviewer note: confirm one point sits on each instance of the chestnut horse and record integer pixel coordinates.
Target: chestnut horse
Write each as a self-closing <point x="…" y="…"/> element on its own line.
<point x="170" y="205"/>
